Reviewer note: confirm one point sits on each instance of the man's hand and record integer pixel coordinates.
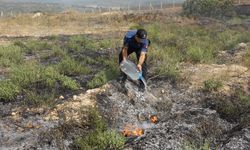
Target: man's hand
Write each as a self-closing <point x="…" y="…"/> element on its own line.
<point x="139" y="67"/>
<point x="141" y="60"/>
<point x="124" y="53"/>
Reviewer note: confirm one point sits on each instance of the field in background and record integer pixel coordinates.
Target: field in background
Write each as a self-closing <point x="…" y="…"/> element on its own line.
<point x="71" y="22"/>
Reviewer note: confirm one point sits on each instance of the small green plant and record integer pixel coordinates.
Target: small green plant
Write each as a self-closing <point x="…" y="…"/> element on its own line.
<point x="230" y="38"/>
<point x="40" y="80"/>
<point x="54" y="37"/>
<point x="75" y="44"/>
<point x="198" y="55"/>
<point x="37" y="98"/>
<point x="205" y="146"/>
<point x="56" y="52"/>
<point x="50" y="77"/>
<point x="104" y="76"/>
<point x="212" y="85"/>
<point x="246" y="58"/>
<point x="195" y="54"/>
<point x="135" y="26"/>
<point x="68" y="83"/>
<point x="79" y="43"/>
<point x="10" y="55"/>
<point x="32" y="46"/>
<point x="8" y="90"/>
<point x="234" y="108"/>
<point x="99" y="79"/>
<point x="99" y="138"/>
<point x="69" y="66"/>
<point x="244" y="99"/>
<point x="105" y="43"/>
<point x="154" y="31"/>
<point x="208" y="8"/>
<point x="165" y="62"/>
<point x="26" y="74"/>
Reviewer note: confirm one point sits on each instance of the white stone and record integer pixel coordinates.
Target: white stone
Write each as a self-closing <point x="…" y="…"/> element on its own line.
<point x="242" y="45"/>
<point x="74" y="97"/>
<point x="162" y="91"/>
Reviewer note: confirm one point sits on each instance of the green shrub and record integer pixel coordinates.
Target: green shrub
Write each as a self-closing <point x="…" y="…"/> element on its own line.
<point x="25" y="75"/>
<point x="8" y="90"/>
<point x="172" y="44"/>
<point x="96" y="122"/>
<point x="99" y="79"/>
<point x="246" y="58"/>
<point x="102" y="140"/>
<point x="230" y="38"/>
<point x="244" y="99"/>
<point x="155" y="31"/>
<point x="198" y="55"/>
<point x="205" y="146"/>
<point x="75" y="43"/>
<point x="105" y="43"/>
<point x="78" y="43"/>
<point x="36" y="78"/>
<point x="68" y="83"/>
<point x="36" y="98"/>
<point x="33" y="46"/>
<point x="88" y="60"/>
<point x="99" y="138"/>
<point x="135" y="26"/>
<point x="10" y="55"/>
<point x="104" y="76"/>
<point x="54" y="38"/>
<point x="234" y="108"/>
<point x="165" y="62"/>
<point x="208" y="8"/>
<point x="212" y="85"/>
<point x="195" y="54"/>
<point x="91" y="44"/>
<point x="69" y="66"/>
<point x="50" y="77"/>
<point x="30" y="74"/>
<point x="57" y="52"/>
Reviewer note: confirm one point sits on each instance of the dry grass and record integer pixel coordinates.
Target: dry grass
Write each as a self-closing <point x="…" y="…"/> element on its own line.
<point x="62" y="23"/>
<point x="72" y="22"/>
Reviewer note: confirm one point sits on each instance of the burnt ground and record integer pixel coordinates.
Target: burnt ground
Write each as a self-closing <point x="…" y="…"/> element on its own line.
<point x="186" y="114"/>
<point x="183" y="119"/>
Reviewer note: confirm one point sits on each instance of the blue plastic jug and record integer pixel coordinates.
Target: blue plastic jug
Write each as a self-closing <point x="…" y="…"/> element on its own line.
<point x="130" y="69"/>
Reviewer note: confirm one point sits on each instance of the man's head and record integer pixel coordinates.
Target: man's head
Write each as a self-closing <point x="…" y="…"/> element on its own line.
<point x="141" y="35"/>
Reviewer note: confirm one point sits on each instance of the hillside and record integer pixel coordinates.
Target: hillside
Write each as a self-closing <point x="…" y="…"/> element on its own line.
<point x="59" y="90"/>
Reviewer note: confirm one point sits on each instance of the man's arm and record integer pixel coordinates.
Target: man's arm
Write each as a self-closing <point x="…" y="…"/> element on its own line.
<point x="141" y="60"/>
<point x="124" y="52"/>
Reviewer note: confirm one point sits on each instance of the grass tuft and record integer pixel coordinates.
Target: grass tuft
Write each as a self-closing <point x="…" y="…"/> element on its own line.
<point x="100" y="137"/>
<point x="10" y="55"/>
<point x="69" y="66"/>
<point x="105" y="75"/>
<point x="8" y="90"/>
<point x="212" y="85"/>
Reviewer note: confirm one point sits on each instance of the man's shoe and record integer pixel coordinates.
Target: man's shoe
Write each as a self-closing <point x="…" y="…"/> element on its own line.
<point x="141" y="87"/>
<point x="121" y="80"/>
